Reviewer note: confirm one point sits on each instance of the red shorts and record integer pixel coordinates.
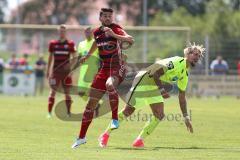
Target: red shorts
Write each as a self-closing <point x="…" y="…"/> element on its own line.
<point x="101" y="77"/>
<point x="56" y="80"/>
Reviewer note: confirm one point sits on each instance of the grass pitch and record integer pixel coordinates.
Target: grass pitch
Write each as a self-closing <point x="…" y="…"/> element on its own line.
<point x="27" y="134"/>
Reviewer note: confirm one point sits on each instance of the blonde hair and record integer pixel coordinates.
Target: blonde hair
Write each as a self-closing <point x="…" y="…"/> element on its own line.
<point x="192" y="47"/>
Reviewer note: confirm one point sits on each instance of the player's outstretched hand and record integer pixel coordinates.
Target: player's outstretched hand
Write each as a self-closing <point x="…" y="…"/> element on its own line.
<point x="188" y="124"/>
<point x="130" y="39"/>
<point x="165" y="94"/>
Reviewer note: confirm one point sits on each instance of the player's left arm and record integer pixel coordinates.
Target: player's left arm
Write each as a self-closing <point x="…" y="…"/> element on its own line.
<point x="156" y="76"/>
<point x="122" y="37"/>
<point x="183" y="106"/>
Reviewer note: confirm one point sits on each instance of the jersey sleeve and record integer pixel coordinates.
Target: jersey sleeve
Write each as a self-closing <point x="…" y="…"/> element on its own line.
<point x="118" y="30"/>
<point x="182" y="83"/>
<point x="50" y="47"/>
<point x="165" y="64"/>
<point x="180" y="66"/>
<point x="174" y="64"/>
<point x="156" y="66"/>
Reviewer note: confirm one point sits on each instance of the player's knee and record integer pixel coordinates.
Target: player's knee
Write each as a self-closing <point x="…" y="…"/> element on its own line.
<point x="88" y="109"/>
<point x="110" y="84"/>
<point x="159" y="116"/>
<point x="92" y="103"/>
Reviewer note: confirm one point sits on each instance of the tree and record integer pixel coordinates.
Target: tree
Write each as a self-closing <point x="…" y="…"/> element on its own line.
<point x="220" y="22"/>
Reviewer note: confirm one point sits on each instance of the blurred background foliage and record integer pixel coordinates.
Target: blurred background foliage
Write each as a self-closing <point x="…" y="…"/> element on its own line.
<point x="217" y="19"/>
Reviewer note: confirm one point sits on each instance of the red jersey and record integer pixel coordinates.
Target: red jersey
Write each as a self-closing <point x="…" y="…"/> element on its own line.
<point x="61" y="52"/>
<point x="109" y="47"/>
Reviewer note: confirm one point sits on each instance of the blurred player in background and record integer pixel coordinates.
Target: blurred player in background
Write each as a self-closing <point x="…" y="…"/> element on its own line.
<point x="58" y="69"/>
<point x="219" y="66"/>
<point x="40" y="67"/>
<point x="24" y="61"/>
<point x="238" y="67"/>
<point x="111" y="73"/>
<point x="150" y="81"/>
<point x="89" y="68"/>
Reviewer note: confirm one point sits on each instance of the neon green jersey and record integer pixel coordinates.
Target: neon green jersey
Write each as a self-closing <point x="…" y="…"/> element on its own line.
<point x="175" y="71"/>
<point x="90" y="67"/>
<point x="84" y="47"/>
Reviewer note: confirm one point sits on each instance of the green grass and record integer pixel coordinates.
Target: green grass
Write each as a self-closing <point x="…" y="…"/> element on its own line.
<point x="27" y="134"/>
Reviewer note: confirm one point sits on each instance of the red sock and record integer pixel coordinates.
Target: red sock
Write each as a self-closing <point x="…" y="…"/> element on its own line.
<point x="86" y="121"/>
<point x="50" y="104"/>
<point x="68" y="104"/>
<point x="113" y="98"/>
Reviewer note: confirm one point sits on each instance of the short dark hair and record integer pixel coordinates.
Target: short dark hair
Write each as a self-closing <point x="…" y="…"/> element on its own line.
<point x="106" y="10"/>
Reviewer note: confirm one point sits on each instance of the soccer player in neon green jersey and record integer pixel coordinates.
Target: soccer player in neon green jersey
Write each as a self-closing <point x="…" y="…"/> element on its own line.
<point x="151" y="80"/>
<point x="87" y="73"/>
<point x="89" y="68"/>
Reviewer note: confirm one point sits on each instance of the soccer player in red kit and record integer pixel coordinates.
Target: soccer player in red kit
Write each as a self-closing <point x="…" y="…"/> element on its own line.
<point x="60" y="52"/>
<point x="108" y="38"/>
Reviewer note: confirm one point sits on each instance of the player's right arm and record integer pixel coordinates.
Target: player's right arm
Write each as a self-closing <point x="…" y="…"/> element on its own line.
<point x="49" y="66"/>
<point x="156" y="76"/>
<point x="50" y="60"/>
<point x="183" y="106"/>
